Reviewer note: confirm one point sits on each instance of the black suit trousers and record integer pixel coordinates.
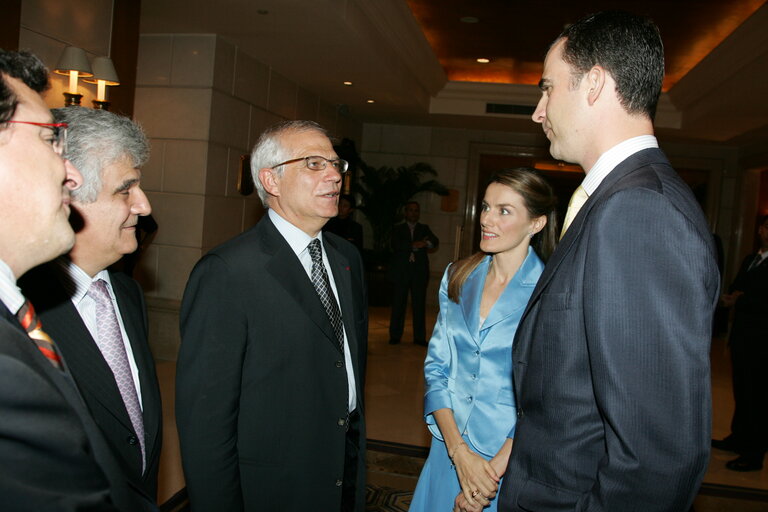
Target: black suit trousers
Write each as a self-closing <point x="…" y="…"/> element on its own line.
<point x="411" y="281"/>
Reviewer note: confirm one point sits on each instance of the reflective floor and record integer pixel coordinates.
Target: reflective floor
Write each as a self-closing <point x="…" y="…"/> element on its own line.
<point x="394" y="404"/>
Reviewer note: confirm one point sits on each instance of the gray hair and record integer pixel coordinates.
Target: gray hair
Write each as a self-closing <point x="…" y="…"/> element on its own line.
<point x="269" y="151"/>
<point x="97" y="139"/>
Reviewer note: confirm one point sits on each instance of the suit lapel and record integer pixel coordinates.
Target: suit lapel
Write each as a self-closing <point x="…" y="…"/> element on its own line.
<point x="286" y="268"/>
<point x="515" y="294"/>
<point x="66" y="327"/>
<point x="523" y="336"/>
<point x="132" y="313"/>
<point x="471" y="296"/>
<point x="343" y="280"/>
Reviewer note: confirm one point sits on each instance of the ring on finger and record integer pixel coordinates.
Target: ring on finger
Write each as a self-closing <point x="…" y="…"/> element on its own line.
<point x="475" y="493"/>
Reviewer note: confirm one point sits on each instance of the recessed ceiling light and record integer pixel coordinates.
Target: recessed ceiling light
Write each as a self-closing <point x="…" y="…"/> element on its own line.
<point x="469" y="19"/>
<point x="483" y="60"/>
<point x="347" y="82"/>
<point x="370" y="101"/>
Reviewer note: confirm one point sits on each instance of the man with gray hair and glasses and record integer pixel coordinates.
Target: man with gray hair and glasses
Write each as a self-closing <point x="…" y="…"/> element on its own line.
<point x="98" y="317"/>
<point x="274" y="328"/>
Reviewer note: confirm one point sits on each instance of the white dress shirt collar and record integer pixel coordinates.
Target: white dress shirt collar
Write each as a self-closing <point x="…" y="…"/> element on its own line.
<point x="9" y="292"/>
<point x="613" y="157"/>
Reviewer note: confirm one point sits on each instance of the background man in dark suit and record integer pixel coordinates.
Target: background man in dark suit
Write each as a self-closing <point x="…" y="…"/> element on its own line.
<point x="344" y="225"/>
<point x="269" y="376"/>
<point x="52" y="454"/>
<point x="116" y="376"/>
<point x="611" y="358"/>
<point x="749" y="356"/>
<point x="409" y="272"/>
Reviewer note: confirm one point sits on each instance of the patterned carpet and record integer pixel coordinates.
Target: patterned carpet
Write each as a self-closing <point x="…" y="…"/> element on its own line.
<point x="385" y="499"/>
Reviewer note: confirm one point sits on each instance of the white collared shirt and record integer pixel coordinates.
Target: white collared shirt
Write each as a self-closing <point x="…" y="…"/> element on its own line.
<point x="613" y="157"/>
<point x="299" y="240"/>
<point x="10" y="294"/>
<point x="77" y="286"/>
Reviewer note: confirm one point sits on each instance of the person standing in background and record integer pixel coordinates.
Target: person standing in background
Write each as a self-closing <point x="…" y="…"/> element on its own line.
<point x="409" y="273"/>
<point x="748" y="295"/>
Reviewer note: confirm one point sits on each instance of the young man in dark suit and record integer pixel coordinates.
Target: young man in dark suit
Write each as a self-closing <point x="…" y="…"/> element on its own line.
<point x="274" y="327"/>
<point x="412" y="242"/>
<point x="748" y="295"/>
<point x="611" y="358"/>
<point x="52" y="455"/>
<point x="98" y="317"/>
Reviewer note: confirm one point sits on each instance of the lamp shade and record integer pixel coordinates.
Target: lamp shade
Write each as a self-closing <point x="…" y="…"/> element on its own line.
<point x="103" y="69"/>
<point x="73" y="59"/>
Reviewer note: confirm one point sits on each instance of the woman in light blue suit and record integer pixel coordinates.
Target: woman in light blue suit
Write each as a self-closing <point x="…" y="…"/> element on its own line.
<point x="469" y="404"/>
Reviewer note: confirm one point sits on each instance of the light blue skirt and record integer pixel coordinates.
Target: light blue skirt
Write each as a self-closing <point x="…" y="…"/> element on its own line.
<point x="438" y="484"/>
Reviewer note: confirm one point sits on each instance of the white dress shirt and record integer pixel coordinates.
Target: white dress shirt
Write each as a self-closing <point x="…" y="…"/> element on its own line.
<point x="299" y="240"/>
<point x="77" y="287"/>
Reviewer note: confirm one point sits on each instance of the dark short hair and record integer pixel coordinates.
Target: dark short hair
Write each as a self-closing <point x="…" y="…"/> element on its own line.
<point x="629" y="47"/>
<point x="24" y="66"/>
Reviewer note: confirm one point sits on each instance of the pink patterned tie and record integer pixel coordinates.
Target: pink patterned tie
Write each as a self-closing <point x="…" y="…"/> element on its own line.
<point x="110" y="343"/>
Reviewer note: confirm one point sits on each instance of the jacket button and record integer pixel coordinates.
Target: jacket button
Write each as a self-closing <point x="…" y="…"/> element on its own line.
<point x="341" y="422"/>
<point x="469" y="398"/>
<point x="133" y="440"/>
<point x="339" y="364"/>
<point x="477" y="352"/>
<point x="520" y="413"/>
<point x="338" y="483"/>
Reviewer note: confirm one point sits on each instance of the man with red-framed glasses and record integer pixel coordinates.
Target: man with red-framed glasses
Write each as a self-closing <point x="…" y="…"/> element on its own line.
<point x="52" y="455"/>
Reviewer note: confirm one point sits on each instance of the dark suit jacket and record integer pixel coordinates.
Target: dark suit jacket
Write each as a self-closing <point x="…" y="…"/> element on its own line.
<point x="43" y="285"/>
<point x="261" y="386"/>
<point x="52" y="455"/>
<point x="750" y="323"/>
<point x="611" y="358"/>
<point x="401" y="250"/>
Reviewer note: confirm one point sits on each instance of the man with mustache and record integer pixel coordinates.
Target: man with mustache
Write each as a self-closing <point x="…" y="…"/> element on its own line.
<point x="274" y="330"/>
<point x="98" y="317"/>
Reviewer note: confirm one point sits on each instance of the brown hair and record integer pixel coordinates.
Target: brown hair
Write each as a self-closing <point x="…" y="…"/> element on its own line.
<point x="539" y="200"/>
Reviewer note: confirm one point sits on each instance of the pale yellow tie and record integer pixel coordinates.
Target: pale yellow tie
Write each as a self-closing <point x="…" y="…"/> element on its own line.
<point x="578" y="199"/>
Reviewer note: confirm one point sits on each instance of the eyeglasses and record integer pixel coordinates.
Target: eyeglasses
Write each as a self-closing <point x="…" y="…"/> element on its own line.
<point x="59" y="140"/>
<point x="318" y="163"/>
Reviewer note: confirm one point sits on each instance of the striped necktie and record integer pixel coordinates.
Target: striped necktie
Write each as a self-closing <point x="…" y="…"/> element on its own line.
<point x="31" y="323"/>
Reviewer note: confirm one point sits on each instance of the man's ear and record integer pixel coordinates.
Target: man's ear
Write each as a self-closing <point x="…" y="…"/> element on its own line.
<point x="596" y="81"/>
<point x="269" y="181"/>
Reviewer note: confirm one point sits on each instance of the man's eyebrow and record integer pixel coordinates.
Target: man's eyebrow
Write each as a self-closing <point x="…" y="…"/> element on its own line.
<point x="126" y="185"/>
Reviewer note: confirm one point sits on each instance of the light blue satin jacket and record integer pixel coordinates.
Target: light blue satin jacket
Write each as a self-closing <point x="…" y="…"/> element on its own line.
<point x="469" y="367"/>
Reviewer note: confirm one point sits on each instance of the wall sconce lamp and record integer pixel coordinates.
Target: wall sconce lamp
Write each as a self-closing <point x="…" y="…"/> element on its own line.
<point x="104" y="74"/>
<point x="73" y="62"/>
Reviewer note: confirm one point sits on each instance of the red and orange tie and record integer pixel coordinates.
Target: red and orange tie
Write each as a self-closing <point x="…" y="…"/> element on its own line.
<point x="31" y="323"/>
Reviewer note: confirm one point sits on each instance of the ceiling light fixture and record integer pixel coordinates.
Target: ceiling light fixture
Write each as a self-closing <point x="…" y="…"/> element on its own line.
<point x="347" y="83"/>
<point x="370" y="101"/>
<point x="483" y="60"/>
